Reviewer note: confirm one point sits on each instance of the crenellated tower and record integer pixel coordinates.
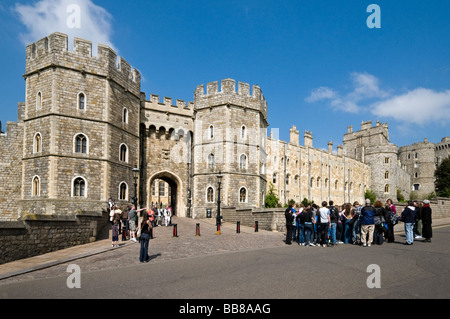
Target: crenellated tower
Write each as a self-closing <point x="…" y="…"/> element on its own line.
<point x="230" y="132"/>
<point x="81" y="127"/>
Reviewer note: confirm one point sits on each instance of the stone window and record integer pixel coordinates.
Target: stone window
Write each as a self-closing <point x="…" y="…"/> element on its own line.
<point x="153" y="188"/>
<point x="416" y="187"/>
<point x="79" y="187"/>
<point x="211" y="161"/>
<point x="123" y="156"/>
<point x="386" y="188"/>
<point x="211" y="132"/>
<point x="243" y="132"/>
<point x="81" y="144"/>
<point x="39" y="101"/>
<point x="125" y="115"/>
<point x="210" y="195"/>
<point x="386" y="160"/>
<point x="123" y="191"/>
<point x="243" y="161"/>
<point x="274" y="178"/>
<point x="37" y="143"/>
<point x="336" y="184"/>
<point x="243" y="195"/>
<point x="81" y="101"/>
<point x="386" y="175"/>
<point x="36" y="187"/>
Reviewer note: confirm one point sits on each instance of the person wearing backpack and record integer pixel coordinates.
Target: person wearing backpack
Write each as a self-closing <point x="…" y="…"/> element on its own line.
<point x="334" y="218"/>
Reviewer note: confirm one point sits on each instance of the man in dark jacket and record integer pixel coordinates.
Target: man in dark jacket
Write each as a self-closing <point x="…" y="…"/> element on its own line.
<point x="367" y="223"/>
<point x="409" y="218"/>
<point x="427" y="231"/>
<point x="288" y="214"/>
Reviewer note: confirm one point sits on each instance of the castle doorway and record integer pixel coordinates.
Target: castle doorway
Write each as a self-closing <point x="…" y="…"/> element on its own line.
<point x="165" y="190"/>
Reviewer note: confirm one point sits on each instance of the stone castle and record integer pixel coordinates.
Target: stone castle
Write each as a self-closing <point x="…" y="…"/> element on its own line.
<point x="85" y="125"/>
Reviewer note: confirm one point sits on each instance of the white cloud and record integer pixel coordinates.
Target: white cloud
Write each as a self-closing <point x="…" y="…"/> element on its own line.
<point x="364" y="86"/>
<point x="420" y="106"/>
<point x="76" y="18"/>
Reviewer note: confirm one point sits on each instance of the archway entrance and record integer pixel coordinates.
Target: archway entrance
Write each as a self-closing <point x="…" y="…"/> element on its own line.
<point x="164" y="190"/>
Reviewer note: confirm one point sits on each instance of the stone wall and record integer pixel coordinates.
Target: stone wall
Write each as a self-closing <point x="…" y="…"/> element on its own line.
<point x="268" y="218"/>
<point x="33" y="235"/>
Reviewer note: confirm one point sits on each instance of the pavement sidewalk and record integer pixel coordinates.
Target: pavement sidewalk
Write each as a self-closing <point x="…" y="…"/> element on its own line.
<point x="27" y="265"/>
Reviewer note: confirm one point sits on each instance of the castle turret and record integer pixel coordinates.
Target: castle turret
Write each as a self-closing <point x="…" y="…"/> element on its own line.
<point x="230" y="132"/>
<point x="81" y="120"/>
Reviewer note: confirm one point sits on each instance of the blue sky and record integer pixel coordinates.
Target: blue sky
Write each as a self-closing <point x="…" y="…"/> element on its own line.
<point x="319" y="65"/>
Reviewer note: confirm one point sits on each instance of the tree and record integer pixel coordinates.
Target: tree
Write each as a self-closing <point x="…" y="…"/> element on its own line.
<point x="272" y="199"/>
<point x="370" y="194"/>
<point x="442" y="175"/>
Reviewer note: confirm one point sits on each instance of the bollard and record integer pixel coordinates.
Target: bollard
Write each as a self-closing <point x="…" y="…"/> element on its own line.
<point x="256" y="226"/>
<point x="218" y="229"/>
<point x="197" y="230"/>
<point x="238" y="227"/>
<point x="175" y="230"/>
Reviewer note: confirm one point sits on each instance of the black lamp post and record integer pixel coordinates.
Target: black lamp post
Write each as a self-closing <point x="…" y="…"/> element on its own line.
<point x="219" y="218"/>
<point x="135" y="176"/>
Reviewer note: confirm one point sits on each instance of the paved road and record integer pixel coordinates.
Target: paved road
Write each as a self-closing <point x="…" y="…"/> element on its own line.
<point x="246" y="266"/>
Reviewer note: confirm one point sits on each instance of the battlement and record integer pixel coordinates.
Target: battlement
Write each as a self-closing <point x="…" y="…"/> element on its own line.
<point x="52" y="51"/>
<point x="228" y="95"/>
<point x="168" y="102"/>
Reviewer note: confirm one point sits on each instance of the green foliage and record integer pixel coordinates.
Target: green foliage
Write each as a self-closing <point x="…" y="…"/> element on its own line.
<point x="400" y="196"/>
<point x="306" y="202"/>
<point x="272" y="199"/>
<point x="442" y="175"/>
<point x="370" y="194"/>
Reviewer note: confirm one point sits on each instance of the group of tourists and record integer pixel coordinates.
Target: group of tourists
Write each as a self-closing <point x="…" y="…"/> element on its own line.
<point x="137" y="228"/>
<point x="356" y="224"/>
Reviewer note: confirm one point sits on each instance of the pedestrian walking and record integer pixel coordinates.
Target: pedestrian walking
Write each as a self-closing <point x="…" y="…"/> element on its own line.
<point x="145" y="228"/>
<point x="427" y="231"/>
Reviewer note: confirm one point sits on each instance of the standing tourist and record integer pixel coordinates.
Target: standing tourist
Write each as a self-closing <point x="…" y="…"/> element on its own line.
<point x="309" y="227"/>
<point x="356" y="230"/>
<point x="348" y="227"/>
<point x="409" y="218"/>
<point x="289" y="222"/>
<point x="427" y="231"/>
<point x="367" y="224"/>
<point x="324" y="224"/>
<point x="334" y="219"/>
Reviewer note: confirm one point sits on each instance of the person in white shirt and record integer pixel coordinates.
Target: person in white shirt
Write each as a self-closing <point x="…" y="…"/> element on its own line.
<point x="324" y="224"/>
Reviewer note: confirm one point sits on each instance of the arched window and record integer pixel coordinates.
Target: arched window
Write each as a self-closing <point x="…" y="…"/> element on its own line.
<point x="243" y="161"/>
<point x="242" y="195"/>
<point x="81" y="144"/>
<point x="37" y="143"/>
<point x="243" y="132"/>
<point x="125" y="115"/>
<point x="211" y="132"/>
<point x="386" y="188"/>
<point x="274" y="178"/>
<point x="162" y="188"/>
<point x="79" y="187"/>
<point x="39" y="101"/>
<point x="36" y="187"/>
<point x="386" y="175"/>
<point x="210" y="195"/>
<point x="211" y="161"/>
<point x="123" y="191"/>
<point x="81" y="101"/>
<point x="123" y="157"/>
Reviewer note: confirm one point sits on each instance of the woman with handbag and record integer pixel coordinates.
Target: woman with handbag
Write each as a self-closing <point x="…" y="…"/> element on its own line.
<point x="145" y="229"/>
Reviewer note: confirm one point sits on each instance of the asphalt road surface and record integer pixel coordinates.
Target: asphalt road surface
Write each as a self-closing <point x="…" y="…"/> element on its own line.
<point x="285" y="272"/>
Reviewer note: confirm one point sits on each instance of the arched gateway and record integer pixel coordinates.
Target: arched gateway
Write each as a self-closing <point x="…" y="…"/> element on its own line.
<point x="176" y="186"/>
